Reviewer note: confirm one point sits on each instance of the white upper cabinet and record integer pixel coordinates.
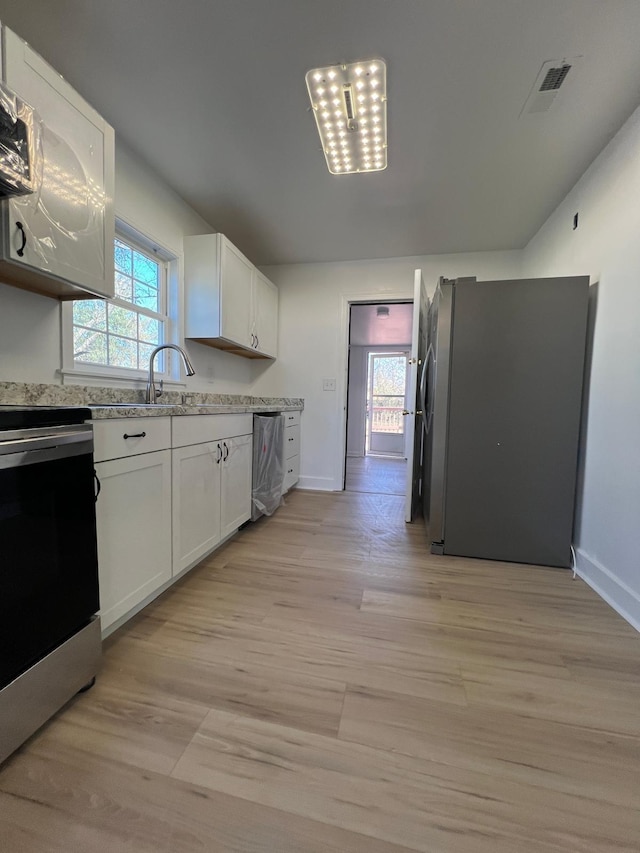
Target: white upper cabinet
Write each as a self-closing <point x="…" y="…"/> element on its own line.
<point x="265" y="315"/>
<point x="59" y="240"/>
<point x="229" y="304"/>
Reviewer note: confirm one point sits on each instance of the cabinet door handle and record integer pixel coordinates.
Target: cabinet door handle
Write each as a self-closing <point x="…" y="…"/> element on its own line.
<point x="135" y="435"/>
<point x="226" y="450"/>
<point x="219" y="455"/>
<point x="98" y="486"/>
<point x="20" y="228"/>
<point x="257" y="342"/>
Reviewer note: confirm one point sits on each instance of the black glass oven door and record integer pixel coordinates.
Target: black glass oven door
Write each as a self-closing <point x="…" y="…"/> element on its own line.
<point x="48" y="557"/>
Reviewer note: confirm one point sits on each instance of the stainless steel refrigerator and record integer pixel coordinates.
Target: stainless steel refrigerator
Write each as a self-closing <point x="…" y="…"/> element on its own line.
<point x="501" y="393"/>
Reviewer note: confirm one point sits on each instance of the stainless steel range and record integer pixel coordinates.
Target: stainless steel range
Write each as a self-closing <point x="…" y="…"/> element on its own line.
<point x="49" y="633"/>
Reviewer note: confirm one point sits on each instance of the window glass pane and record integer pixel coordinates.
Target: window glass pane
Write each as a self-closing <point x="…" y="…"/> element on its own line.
<point x="122" y="321"/>
<point x="145" y="296"/>
<point x="122" y="257"/>
<point x="110" y="334"/>
<point x="89" y="346"/>
<point x="389" y="374"/>
<point x="123" y="286"/>
<point x="149" y="330"/>
<point x="122" y="352"/>
<point x="90" y="312"/>
<point x="145" y="270"/>
<point x="144" y="354"/>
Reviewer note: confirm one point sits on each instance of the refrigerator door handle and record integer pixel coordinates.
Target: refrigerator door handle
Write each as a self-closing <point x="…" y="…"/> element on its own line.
<point x="426" y="415"/>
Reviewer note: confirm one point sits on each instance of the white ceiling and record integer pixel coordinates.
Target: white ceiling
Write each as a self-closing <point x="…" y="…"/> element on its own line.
<point x="211" y="94"/>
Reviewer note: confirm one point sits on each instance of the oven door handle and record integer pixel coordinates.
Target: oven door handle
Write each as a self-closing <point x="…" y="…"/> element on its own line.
<point x="32" y="451"/>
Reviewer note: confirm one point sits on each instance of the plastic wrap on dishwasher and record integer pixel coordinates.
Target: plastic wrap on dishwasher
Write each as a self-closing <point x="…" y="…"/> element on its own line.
<point x="20" y="146"/>
<point x="268" y="464"/>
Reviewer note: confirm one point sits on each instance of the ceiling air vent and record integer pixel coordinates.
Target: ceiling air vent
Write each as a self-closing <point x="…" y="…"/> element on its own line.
<point x="554" y="78"/>
<point x="548" y="82"/>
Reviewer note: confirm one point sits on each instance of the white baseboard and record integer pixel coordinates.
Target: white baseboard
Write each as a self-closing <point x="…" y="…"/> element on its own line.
<point x="615" y="592"/>
<point x="319" y="484"/>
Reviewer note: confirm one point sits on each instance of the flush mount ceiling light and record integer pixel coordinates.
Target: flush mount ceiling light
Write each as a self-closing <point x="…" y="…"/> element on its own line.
<point x="349" y="103"/>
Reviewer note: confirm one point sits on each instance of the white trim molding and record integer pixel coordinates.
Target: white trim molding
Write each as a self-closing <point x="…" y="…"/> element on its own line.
<point x="615" y="592"/>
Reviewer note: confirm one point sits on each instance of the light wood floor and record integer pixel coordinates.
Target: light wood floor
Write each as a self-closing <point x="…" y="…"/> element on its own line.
<point x="381" y="475"/>
<point x="324" y="684"/>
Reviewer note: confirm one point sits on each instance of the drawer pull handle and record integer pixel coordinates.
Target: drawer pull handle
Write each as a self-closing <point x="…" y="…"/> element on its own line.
<point x="135" y="435"/>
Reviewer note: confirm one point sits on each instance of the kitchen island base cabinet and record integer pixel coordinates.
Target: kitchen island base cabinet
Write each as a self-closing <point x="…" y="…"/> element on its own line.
<point x="133" y="516"/>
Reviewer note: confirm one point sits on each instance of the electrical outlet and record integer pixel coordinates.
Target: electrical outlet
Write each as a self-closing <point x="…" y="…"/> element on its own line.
<point x="329" y="384"/>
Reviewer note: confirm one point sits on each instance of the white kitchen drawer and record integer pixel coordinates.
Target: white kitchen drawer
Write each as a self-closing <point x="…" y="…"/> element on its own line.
<point x="114" y="439"/>
<point x="291" y="441"/>
<point x="196" y="429"/>
<point x="291" y="473"/>
<point x="291" y="418"/>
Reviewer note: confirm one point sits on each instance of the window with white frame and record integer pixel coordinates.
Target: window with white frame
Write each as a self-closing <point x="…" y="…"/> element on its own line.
<point x="117" y="336"/>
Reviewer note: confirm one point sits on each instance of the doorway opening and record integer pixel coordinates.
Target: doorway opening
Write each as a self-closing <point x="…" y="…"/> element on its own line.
<point x="379" y="351"/>
<point x="386" y="402"/>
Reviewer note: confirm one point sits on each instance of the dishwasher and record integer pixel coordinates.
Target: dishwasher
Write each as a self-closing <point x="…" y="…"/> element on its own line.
<point x="268" y="464"/>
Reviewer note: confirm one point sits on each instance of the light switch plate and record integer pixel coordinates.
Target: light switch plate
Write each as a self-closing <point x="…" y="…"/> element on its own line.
<point x="329" y="384"/>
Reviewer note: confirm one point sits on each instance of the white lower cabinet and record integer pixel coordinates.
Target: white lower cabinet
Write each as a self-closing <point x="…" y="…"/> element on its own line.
<point x="133" y="517"/>
<point x="211" y="483"/>
<point x="171" y="489"/>
<point x="235" y="488"/>
<point x="291" y="450"/>
<point x="196" y="502"/>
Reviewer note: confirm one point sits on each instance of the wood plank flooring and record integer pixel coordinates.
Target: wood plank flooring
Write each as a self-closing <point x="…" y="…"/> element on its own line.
<point x="322" y="683"/>
<point x="383" y="475"/>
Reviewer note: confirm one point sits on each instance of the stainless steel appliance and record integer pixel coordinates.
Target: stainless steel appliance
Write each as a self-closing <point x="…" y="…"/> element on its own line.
<point x="501" y="393"/>
<point x="49" y="631"/>
<point x="19" y="142"/>
<point x="268" y="464"/>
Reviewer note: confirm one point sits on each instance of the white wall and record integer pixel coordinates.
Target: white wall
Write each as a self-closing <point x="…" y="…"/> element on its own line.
<point x="30" y="346"/>
<point x="606" y="245"/>
<point x="313" y="338"/>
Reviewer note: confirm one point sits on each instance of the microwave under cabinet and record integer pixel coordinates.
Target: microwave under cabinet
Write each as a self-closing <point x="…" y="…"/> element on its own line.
<point x="58" y="240"/>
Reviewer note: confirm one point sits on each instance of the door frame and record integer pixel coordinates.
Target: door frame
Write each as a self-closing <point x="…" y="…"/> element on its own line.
<point x="383" y="297"/>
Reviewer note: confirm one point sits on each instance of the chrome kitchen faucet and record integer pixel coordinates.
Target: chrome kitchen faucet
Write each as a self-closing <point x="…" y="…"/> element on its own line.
<point x="152" y="393"/>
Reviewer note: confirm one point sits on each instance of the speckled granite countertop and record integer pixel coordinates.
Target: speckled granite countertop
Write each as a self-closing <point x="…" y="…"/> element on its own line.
<point x="126" y="403"/>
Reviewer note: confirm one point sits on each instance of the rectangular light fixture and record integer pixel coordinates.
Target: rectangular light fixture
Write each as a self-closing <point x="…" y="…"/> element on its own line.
<point x="349" y="103"/>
